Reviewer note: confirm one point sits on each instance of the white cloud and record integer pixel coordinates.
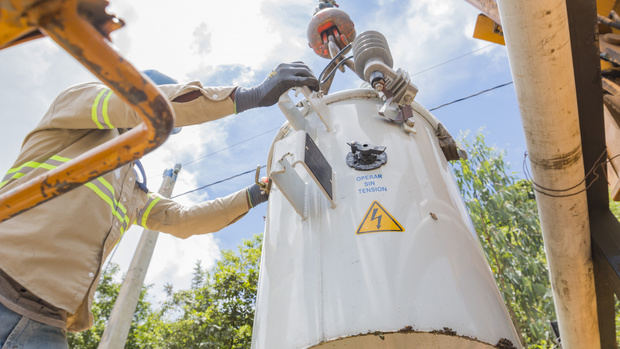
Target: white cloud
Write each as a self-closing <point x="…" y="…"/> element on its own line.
<point x="426" y="32"/>
<point x="202" y="39"/>
<point x="159" y="34"/>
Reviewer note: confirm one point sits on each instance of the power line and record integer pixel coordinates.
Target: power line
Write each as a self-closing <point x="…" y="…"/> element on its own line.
<point x="471" y="96"/>
<point x="263" y="166"/>
<point x="217" y="182"/>
<point x="451" y="60"/>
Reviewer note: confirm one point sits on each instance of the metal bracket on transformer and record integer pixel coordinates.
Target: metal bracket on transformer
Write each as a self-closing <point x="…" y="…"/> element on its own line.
<point x="301" y="121"/>
<point x="299" y="149"/>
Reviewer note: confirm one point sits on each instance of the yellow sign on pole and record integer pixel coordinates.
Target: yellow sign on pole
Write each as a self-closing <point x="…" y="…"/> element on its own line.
<point x="488" y="30"/>
<point x="377" y="219"/>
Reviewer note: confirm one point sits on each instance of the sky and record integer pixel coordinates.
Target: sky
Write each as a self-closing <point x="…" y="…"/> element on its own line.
<point x="223" y="43"/>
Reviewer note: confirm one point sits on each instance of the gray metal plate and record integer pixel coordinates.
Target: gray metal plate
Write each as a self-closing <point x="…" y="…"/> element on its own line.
<point x="318" y="166"/>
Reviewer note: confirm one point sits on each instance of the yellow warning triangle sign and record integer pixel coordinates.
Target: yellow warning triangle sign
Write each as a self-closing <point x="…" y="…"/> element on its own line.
<point x="378" y="219"/>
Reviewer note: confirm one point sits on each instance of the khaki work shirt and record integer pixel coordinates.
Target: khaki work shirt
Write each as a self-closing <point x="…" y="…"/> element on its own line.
<point x="56" y="249"/>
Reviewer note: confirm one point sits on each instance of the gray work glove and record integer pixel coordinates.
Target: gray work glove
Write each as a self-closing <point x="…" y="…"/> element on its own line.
<point x="257" y="195"/>
<point x="285" y="76"/>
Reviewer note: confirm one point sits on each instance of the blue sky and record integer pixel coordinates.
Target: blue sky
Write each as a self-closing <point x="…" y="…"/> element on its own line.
<point x="238" y="43"/>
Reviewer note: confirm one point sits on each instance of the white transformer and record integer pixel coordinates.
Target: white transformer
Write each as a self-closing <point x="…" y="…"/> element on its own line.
<point x="390" y="260"/>
<point x="367" y="241"/>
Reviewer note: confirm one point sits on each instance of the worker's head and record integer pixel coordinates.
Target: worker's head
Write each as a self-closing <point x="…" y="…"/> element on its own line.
<point x="161" y="79"/>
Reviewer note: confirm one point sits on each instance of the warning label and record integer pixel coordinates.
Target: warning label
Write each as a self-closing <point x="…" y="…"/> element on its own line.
<point x="377" y="219"/>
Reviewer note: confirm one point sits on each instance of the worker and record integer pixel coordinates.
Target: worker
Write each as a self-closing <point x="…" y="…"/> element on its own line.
<point x="51" y="255"/>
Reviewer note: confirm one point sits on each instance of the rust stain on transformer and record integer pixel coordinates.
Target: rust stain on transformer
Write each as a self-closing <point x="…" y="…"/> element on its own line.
<point x="446" y="330"/>
<point x="505" y="344"/>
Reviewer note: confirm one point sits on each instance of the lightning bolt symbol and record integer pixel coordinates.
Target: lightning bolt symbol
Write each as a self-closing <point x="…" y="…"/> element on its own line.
<point x="378" y="218"/>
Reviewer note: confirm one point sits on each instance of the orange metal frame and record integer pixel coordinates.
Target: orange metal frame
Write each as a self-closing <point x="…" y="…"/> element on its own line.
<point x="81" y="27"/>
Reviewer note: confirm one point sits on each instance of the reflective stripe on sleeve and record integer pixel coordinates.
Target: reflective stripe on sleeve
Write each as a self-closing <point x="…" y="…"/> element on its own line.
<point x="20" y="171"/>
<point x="99" y="186"/>
<point x="144" y="215"/>
<point x="94" y="110"/>
<point x="99" y="110"/>
<point x="104" y="110"/>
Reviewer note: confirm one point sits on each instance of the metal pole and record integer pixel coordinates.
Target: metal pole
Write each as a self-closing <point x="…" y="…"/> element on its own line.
<point x="115" y="334"/>
<point x="539" y="48"/>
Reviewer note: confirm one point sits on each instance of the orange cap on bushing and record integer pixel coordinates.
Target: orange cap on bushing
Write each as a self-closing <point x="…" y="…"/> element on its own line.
<point x="322" y="21"/>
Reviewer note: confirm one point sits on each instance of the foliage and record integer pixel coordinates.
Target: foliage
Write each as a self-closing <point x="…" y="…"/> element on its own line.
<point x="505" y="216"/>
<point x="218" y="310"/>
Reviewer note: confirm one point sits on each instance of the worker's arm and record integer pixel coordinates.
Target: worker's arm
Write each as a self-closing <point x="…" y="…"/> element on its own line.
<point x="94" y="105"/>
<point x="168" y="216"/>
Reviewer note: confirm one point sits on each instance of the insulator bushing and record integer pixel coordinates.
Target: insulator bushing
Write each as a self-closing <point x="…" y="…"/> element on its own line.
<point x="370" y="45"/>
<point x="323" y="23"/>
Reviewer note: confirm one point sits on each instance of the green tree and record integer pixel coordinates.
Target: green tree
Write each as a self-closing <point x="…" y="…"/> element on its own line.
<point x="105" y="296"/>
<point x="505" y="216"/>
<point x="218" y="310"/>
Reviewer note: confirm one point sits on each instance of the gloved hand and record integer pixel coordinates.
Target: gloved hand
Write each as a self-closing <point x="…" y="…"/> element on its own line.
<point x="258" y="193"/>
<point x="285" y="76"/>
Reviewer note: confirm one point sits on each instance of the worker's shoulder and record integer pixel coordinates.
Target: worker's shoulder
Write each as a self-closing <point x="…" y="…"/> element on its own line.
<point x="84" y="86"/>
<point x="79" y="91"/>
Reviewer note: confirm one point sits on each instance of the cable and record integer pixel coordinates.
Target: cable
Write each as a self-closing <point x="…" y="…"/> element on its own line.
<point x="471" y="96"/>
<point x="217" y="182"/>
<point x="340" y="53"/>
<point x="598" y="164"/>
<point x="333" y="71"/>
<point x="450" y="60"/>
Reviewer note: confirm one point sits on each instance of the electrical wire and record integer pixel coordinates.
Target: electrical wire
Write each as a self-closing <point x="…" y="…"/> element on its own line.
<point x="338" y="55"/>
<point x="217" y="182"/>
<point x="333" y="71"/>
<point x="593" y="171"/>
<point x="471" y="96"/>
<point x="451" y="60"/>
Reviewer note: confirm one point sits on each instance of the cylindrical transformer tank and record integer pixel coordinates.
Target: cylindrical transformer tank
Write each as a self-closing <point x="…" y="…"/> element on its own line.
<point x="391" y="259"/>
